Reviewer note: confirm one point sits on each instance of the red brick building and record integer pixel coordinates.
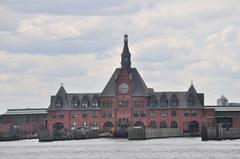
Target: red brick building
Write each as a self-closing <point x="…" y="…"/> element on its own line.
<point x="125" y="102"/>
<point x="23" y="121"/>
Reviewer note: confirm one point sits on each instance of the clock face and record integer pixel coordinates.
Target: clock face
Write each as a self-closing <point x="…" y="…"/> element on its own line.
<point x="123" y="88"/>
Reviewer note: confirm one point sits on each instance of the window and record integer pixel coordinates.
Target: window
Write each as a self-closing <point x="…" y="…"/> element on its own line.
<point x="187" y="113"/>
<point x="174" y="113"/>
<point x="163" y="124"/>
<point x="135" y="114"/>
<point x="163" y="101"/>
<point x="104" y="114"/>
<point x="193" y="113"/>
<point x="190" y="100"/>
<point x="163" y="114"/>
<point x="107" y="104"/>
<point x="174" y="124"/>
<point x="95" y="101"/>
<point x="95" y="104"/>
<point x="61" y="115"/>
<point x="153" y="124"/>
<point x="142" y="114"/>
<point x="138" y="103"/>
<point x="74" y="125"/>
<point x="84" y="125"/>
<point x="74" y="114"/>
<point x="123" y="104"/>
<point x="153" y="101"/>
<point x="94" y="114"/>
<point x="59" y="102"/>
<point x="110" y="115"/>
<point x="75" y="102"/>
<point x="84" y="114"/>
<point x="85" y="101"/>
<point x="95" y="125"/>
<point x="152" y="114"/>
<point x="103" y="103"/>
<point x="174" y="102"/>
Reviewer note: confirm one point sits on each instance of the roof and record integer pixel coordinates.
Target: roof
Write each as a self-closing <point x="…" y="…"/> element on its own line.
<point x="182" y="97"/>
<point x="225" y="108"/>
<point x="139" y="86"/>
<point x="67" y="98"/>
<point x="26" y="111"/>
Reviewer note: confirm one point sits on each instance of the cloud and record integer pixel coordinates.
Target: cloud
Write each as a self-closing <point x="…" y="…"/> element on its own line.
<point x="79" y="43"/>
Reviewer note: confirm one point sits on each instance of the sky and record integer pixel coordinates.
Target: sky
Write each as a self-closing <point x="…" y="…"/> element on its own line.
<point x="44" y="43"/>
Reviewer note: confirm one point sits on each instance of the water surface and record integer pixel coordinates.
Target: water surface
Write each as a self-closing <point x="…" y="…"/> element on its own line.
<point x="107" y="148"/>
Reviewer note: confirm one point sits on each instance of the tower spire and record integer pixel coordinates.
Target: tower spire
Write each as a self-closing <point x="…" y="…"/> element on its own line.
<point x="126" y="56"/>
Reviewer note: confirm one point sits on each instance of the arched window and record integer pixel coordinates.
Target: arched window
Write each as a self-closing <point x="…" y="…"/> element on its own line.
<point x="190" y="100"/>
<point x="174" y="113"/>
<point x="95" y="101"/>
<point x="153" y="101"/>
<point x="174" y="102"/>
<point x="174" y="124"/>
<point x="59" y="102"/>
<point x="75" y="102"/>
<point x="139" y="124"/>
<point x="163" y="124"/>
<point x="84" y="125"/>
<point x="153" y="124"/>
<point x="85" y="101"/>
<point x="163" y="100"/>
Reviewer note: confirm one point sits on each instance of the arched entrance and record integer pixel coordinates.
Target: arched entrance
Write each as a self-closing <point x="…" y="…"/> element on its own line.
<point x="139" y="124"/>
<point x="153" y="124"/>
<point x="174" y="124"/>
<point x="163" y="124"/>
<point x="57" y="129"/>
<point x="193" y="127"/>
<point x="108" y="126"/>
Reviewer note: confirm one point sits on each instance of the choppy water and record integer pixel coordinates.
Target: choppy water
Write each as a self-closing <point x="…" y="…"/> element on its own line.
<point x="105" y="148"/>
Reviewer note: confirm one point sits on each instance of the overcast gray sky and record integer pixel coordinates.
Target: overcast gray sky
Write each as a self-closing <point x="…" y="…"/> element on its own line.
<point x="43" y="43"/>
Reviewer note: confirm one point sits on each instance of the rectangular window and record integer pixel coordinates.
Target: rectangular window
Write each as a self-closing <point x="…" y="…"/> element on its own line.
<point x="110" y="114"/>
<point x="187" y="113"/>
<point x="61" y="115"/>
<point x="84" y="114"/>
<point x="95" y="125"/>
<point x="152" y="114"/>
<point x="94" y="114"/>
<point x="142" y="114"/>
<point x="193" y="113"/>
<point x="163" y="114"/>
<point x="104" y="114"/>
<point x="135" y="114"/>
<point x="74" y="114"/>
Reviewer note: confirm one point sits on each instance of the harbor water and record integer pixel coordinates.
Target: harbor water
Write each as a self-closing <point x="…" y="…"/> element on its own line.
<point x="109" y="148"/>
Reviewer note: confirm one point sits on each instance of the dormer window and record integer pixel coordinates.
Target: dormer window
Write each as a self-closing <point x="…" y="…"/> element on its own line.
<point x="163" y="101"/>
<point x="75" y="102"/>
<point x="95" y="101"/>
<point x="153" y="101"/>
<point x="85" y="101"/>
<point x="174" y="101"/>
<point x="59" y="102"/>
<point x="191" y="100"/>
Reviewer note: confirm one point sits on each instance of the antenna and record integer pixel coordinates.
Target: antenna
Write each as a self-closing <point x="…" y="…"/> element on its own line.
<point x="61" y="84"/>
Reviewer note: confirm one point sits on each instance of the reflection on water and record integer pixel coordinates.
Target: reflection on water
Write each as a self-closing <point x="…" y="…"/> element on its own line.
<point x="105" y="148"/>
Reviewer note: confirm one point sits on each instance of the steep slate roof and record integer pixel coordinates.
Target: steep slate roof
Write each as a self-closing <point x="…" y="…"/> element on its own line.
<point x="67" y="98"/>
<point x="139" y="86"/>
<point x="182" y="97"/>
